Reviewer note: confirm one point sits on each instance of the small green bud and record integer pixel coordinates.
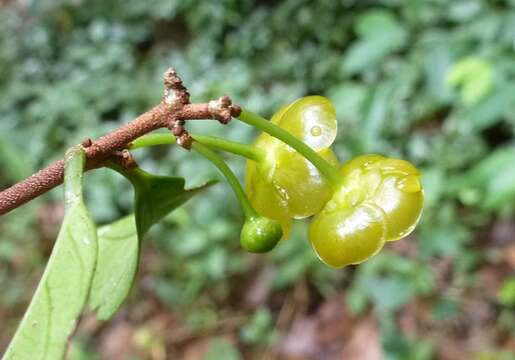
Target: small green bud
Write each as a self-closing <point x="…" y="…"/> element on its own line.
<point x="260" y="234"/>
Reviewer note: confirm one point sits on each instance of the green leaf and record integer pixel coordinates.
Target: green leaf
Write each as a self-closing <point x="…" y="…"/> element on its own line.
<point x="63" y="290"/>
<point x="489" y="167"/>
<point x="348" y="99"/>
<point x="506" y="295"/>
<point x="474" y="76"/>
<point x="375" y="22"/>
<point x="492" y="109"/>
<point x="155" y="195"/>
<point x="375" y="113"/>
<point x="364" y="54"/>
<point x="501" y="188"/>
<point x="380" y="34"/>
<point x="433" y="180"/>
<point x="220" y="348"/>
<point x="119" y="242"/>
<point x="490" y="183"/>
<point x="12" y="158"/>
<point x="118" y="253"/>
<point x="436" y="66"/>
<point x="259" y="329"/>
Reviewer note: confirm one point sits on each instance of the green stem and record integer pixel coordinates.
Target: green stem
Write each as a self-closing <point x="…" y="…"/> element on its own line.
<point x="152" y="140"/>
<point x="209" y="154"/>
<point x="328" y="171"/>
<point x="247" y="151"/>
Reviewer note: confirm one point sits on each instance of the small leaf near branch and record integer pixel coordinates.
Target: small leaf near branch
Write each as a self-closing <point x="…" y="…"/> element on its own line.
<point x="119" y="242"/>
<point x="155" y="195"/>
<point x="63" y="290"/>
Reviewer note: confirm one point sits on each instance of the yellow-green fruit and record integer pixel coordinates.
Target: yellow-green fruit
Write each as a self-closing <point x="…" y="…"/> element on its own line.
<point x="311" y="119"/>
<point x="284" y="185"/>
<point x="347" y="236"/>
<point x="379" y="199"/>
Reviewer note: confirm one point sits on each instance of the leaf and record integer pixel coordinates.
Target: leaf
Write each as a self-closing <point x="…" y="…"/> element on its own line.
<point x="436" y="65"/>
<point x="63" y="290"/>
<point x="13" y="159"/>
<point x="492" y="108"/>
<point x="156" y="196"/>
<point x="501" y="188"/>
<point x="433" y="183"/>
<point x="348" y="99"/>
<point x="474" y="76"/>
<point x="119" y="244"/>
<point x="259" y="328"/>
<point x="220" y="348"/>
<point x="506" y="295"/>
<point x="380" y="34"/>
<point x="376" y="22"/>
<point x="375" y="113"/>
<point x="364" y="54"/>
<point x="118" y="254"/>
<point x="490" y="183"/>
<point x="490" y="166"/>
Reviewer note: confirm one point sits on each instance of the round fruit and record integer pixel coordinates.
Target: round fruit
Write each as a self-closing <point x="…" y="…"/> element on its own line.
<point x="379" y="199"/>
<point x="284" y="184"/>
<point x="260" y="234"/>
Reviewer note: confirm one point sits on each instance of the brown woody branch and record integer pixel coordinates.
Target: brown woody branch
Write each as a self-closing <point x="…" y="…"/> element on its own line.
<point x="170" y="113"/>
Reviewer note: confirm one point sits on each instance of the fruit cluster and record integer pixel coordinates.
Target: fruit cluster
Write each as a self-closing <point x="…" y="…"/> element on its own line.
<point x="366" y="202"/>
<point x="292" y="173"/>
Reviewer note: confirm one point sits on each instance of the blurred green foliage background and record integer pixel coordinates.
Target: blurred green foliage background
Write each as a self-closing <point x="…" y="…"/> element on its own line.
<point x="432" y="81"/>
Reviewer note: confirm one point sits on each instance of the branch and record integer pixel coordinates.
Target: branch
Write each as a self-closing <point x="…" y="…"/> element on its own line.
<point x="170" y="113"/>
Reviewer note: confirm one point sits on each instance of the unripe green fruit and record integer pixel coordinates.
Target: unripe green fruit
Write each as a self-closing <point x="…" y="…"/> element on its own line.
<point x="260" y="234"/>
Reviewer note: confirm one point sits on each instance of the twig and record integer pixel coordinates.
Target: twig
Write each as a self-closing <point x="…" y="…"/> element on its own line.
<point x="174" y="109"/>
